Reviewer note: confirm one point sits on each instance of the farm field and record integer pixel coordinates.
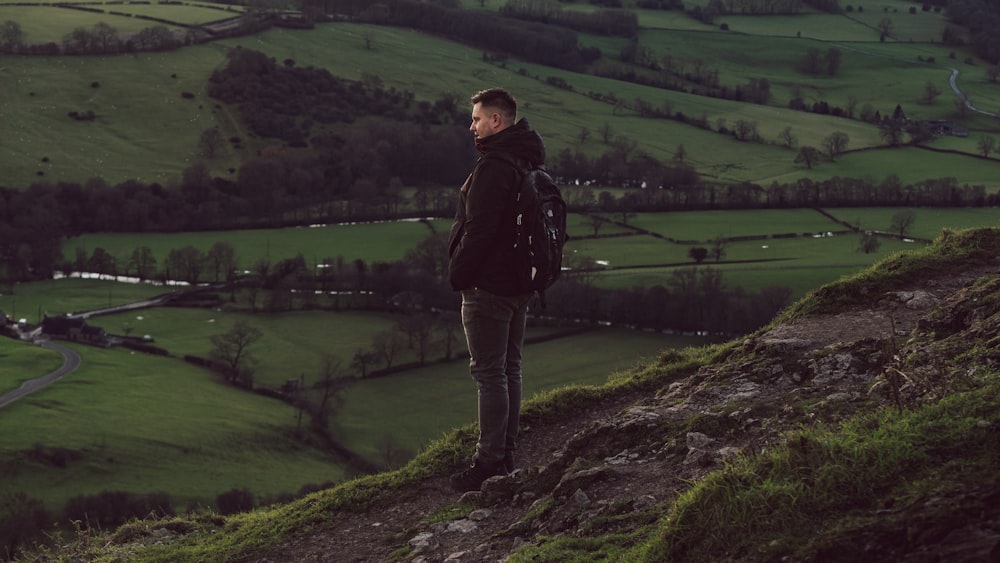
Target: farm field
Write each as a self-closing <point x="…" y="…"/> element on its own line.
<point x="34" y="99"/>
<point x="146" y="424"/>
<point x="58" y="297"/>
<point x="371" y="242"/>
<point x="436" y="399"/>
<point x="20" y="362"/>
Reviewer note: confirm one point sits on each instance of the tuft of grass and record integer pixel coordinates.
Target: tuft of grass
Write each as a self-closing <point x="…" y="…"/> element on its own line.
<point x="950" y="250"/>
<point x="777" y="498"/>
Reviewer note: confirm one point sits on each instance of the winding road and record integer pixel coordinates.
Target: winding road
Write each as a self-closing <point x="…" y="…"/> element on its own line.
<point x="71" y="361"/>
<point x="953" y="80"/>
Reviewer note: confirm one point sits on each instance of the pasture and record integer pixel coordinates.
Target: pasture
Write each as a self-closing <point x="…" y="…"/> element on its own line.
<point x="127" y="141"/>
<point x="32" y="301"/>
<point x="20" y="362"/>
<point x="145" y="424"/>
<point x="438" y="398"/>
<point x="371" y="242"/>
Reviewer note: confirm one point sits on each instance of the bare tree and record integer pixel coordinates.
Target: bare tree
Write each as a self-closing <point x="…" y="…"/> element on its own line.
<point x="869" y="242"/>
<point x="211" y="142"/>
<point x="386" y="345"/>
<point x="331" y="381"/>
<point x="232" y="349"/>
<point x="362" y="359"/>
<point x="931" y="92"/>
<point x="808" y="156"/>
<point x="718" y="250"/>
<point x="986" y="145"/>
<point x="836" y="143"/>
<point x="787" y="138"/>
<point x="902" y="221"/>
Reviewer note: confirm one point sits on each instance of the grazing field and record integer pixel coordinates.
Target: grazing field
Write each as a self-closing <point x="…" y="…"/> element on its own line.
<point x="371" y="242"/>
<point x="927" y="223"/>
<point x="127" y="141"/>
<point x="146" y="424"/>
<point x="20" y="362"/>
<point x="33" y="300"/>
<point x="292" y="346"/>
<point x="436" y="399"/>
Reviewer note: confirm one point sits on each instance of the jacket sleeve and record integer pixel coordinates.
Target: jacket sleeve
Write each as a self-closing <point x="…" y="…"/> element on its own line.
<point x="488" y="200"/>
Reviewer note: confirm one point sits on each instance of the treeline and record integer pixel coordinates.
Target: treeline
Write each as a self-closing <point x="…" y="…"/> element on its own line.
<point x="623" y="23"/>
<point x="982" y="17"/>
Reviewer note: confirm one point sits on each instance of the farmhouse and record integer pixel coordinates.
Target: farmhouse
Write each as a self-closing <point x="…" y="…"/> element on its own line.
<point x="74" y="329"/>
<point x="945" y="127"/>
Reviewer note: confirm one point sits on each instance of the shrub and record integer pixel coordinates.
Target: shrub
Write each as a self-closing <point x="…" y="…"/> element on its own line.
<point x="234" y="500"/>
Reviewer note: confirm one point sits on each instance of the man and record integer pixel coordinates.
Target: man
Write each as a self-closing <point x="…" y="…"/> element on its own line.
<point x="494" y="307"/>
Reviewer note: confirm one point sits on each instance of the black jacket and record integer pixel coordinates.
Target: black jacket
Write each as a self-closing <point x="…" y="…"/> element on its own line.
<point x="481" y="242"/>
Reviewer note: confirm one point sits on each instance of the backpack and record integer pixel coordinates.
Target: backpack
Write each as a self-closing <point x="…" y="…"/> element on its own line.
<point x="539" y="227"/>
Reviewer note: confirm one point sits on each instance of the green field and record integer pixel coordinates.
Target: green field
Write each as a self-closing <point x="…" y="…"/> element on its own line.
<point x="371" y="242"/>
<point x="128" y="141"/>
<point x="145" y="424"/>
<point x="20" y="362"/>
<point x="436" y="399"/>
<point x="32" y="301"/>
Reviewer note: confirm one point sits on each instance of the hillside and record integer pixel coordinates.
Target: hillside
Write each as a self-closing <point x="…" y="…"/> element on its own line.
<point x="860" y="425"/>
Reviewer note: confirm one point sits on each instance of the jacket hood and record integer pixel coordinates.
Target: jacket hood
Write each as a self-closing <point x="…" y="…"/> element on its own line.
<point x="519" y="140"/>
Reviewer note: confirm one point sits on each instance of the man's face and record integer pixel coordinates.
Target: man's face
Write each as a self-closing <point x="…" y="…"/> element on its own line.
<point x="485" y="121"/>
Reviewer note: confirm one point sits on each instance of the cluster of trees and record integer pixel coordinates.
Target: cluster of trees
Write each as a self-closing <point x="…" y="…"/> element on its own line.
<point x="622" y="23"/>
<point x="982" y="18"/>
<point x="100" y="38"/>
<point x="286" y="101"/>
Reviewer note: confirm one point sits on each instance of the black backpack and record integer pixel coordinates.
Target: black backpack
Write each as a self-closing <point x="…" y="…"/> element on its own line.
<point x="539" y="227"/>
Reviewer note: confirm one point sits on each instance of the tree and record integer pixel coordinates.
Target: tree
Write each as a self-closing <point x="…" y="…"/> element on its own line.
<point x="221" y="259"/>
<point x="986" y="145"/>
<point x="931" y="93"/>
<point x="891" y="131"/>
<point x="331" y="381"/>
<point x="808" y="156"/>
<point x="232" y="349"/>
<point x="606" y="132"/>
<point x="211" y="142"/>
<point x="869" y="242"/>
<point x="836" y="143"/>
<point x="680" y="154"/>
<point x="832" y="61"/>
<point x="11" y="37"/>
<point x="718" y="250"/>
<point x="362" y="359"/>
<point x="902" y="221"/>
<point x="884" y="27"/>
<point x="698" y="253"/>
<point x="597" y="221"/>
<point x="787" y="138"/>
<point x="142" y="263"/>
<point x="386" y="345"/>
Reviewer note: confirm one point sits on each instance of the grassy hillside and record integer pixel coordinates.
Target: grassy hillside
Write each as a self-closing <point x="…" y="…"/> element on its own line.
<point x="839" y="453"/>
<point x="143" y="424"/>
<point x="127" y="140"/>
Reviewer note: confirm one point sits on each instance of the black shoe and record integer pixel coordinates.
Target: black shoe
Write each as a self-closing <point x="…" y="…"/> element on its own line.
<point x="472" y="478"/>
<point x="508" y="462"/>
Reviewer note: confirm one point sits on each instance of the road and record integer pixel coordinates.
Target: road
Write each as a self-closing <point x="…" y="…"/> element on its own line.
<point x="953" y="80"/>
<point x="71" y="361"/>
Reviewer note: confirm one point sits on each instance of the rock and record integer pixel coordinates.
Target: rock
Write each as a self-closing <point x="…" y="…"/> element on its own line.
<point x="577" y="480"/>
<point x="463" y="526"/>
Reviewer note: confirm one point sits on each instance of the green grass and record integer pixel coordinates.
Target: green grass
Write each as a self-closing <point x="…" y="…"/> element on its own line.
<point x="32" y="301"/>
<point x="147" y="424"/>
<point x="441" y="397"/>
<point x="21" y="361"/>
<point x="371" y="242"/>
<point x="927" y="224"/>
<point x="128" y="141"/>
<point x="292" y="345"/>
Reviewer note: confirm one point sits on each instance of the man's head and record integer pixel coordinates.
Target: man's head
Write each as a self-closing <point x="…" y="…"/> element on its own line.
<point x="493" y="110"/>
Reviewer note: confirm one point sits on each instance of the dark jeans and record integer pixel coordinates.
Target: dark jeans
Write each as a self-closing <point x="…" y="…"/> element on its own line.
<point x="494" y="331"/>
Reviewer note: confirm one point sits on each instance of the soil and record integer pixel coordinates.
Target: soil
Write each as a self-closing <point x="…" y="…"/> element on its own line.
<point x="655" y="475"/>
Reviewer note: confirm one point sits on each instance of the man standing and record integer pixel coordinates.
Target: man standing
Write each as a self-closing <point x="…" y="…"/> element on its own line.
<point x="482" y="267"/>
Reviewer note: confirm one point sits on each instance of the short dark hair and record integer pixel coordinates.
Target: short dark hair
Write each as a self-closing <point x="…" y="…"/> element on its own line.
<point x="497" y="98"/>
